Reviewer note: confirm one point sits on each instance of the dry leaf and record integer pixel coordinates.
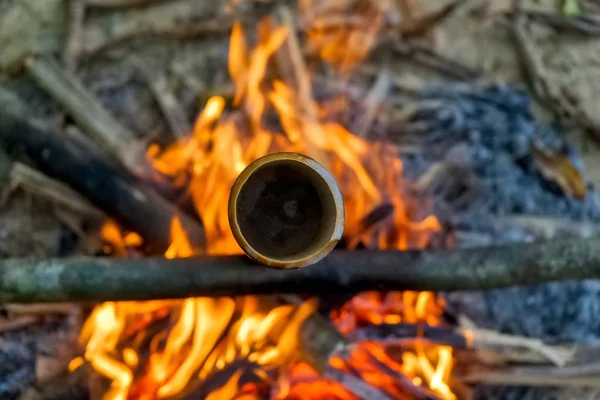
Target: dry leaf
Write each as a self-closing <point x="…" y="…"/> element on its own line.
<point x="559" y="169"/>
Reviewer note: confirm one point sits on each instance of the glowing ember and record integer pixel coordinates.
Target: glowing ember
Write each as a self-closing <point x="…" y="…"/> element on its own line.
<point x="156" y="349"/>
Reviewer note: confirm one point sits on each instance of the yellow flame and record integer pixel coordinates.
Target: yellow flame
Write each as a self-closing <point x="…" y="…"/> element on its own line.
<point x="204" y="335"/>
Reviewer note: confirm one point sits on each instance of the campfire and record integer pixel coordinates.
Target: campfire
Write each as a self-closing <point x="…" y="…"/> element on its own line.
<point x="200" y="337"/>
<point x="179" y="311"/>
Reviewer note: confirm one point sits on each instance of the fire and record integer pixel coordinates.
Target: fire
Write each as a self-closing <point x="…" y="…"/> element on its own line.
<point x="157" y="349"/>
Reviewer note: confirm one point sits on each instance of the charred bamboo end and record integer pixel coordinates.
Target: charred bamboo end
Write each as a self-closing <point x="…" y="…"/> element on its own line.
<point x="286" y="211"/>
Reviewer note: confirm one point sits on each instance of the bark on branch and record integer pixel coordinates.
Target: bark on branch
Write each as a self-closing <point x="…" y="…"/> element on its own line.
<point x="100" y="279"/>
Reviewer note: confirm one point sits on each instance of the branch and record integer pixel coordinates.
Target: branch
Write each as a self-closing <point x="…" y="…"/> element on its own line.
<point x="74" y="161"/>
<point x="101" y="279"/>
<point x="90" y="115"/>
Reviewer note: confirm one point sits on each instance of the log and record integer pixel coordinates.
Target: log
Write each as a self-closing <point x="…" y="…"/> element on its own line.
<point x="74" y="161"/>
<point x="103" y="279"/>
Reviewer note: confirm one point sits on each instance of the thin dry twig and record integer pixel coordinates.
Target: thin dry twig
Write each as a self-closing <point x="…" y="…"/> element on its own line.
<point x="422" y="24"/>
<point x="17" y="323"/>
<point x="77" y="9"/>
<point x="121" y="3"/>
<point x="301" y="78"/>
<point x="483" y="338"/>
<point x="429" y="58"/>
<point x="39" y="308"/>
<point x="545" y="227"/>
<point x="375" y="97"/>
<point x="519" y="379"/>
<point x="171" y="107"/>
<point x="582" y="24"/>
<point x="116" y="140"/>
<point x="184" y="31"/>
<point x="33" y="181"/>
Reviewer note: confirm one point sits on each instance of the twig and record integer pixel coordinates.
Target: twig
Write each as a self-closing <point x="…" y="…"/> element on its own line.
<point x="40" y="308"/>
<point x="483" y="338"/>
<point x="583" y="25"/>
<point x="546" y="228"/>
<point x="35" y="182"/>
<point x="100" y="279"/>
<point x="86" y="110"/>
<point x="169" y="105"/>
<point x="17" y="323"/>
<point x="420" y="25"/>
<point x="185" y="31"/>
<point x="73" y="44"/>
<point x="592" y="368"/>
<point x="372" y="102"/>
<point x="121" y="3"/>
<point x="518" y="379"/>
<point x="431" y="59"/>
<point x="301" y="78"/>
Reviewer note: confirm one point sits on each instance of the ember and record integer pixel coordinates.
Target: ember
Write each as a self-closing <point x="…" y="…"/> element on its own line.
<point x="202" y="336"/>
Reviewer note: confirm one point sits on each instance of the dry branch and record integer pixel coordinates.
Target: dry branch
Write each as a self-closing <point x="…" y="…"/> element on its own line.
<point x="74" y="161"/>
<point x="77" y="10"/>
<point x="99" y="279"/>
<point x="120" y="3"/>
<point x="33" y="181"/>
<point x="172" y="110"/>
<point x="87" y="111"/>
<point x="518" y="378"/>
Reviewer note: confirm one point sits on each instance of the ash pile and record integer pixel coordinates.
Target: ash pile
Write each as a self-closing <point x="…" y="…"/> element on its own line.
<point x="495" y="188"/>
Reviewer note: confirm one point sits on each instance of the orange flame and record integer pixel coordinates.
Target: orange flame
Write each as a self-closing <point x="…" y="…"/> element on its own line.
<point x="204" y="335"/>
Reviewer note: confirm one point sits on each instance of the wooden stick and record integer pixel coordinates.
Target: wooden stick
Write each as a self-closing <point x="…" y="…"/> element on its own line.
<point x="36" y="183"/>
<point x="39" y="308"/>
<point x="184" y="31"/>
<point x="484" y="338"/>
<point x="121" y="3"/>
<point x="101" y="279"/>
<point x="77" y="9"/>
<point x="73" y="160"/>
<point x="519" y="379"/>
<point x="87" y="111"/>
<point x="171" y="108"/>
<point x="290" y="56"/>
<point x="17" y="323"/>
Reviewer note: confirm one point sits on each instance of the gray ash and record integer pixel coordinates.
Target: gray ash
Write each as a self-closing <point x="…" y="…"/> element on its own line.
<point x="496" y="132"/>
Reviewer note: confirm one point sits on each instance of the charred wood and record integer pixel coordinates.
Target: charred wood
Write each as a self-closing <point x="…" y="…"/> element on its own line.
<point x="73" y="160"/>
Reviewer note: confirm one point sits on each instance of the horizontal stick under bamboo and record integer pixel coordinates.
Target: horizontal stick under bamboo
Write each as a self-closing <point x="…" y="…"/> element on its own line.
<point x="100" y="279"/>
